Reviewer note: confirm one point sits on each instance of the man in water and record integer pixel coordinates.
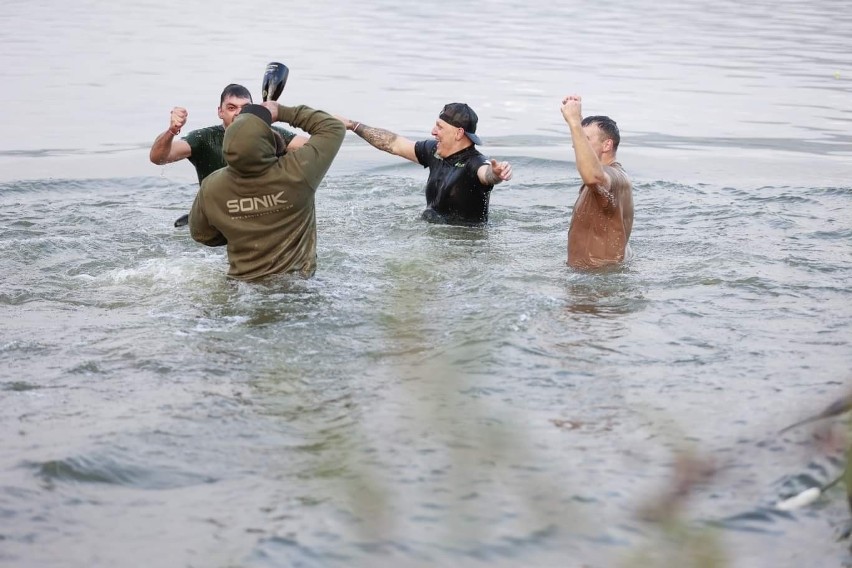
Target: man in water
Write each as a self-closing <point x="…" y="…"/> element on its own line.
<point x="203" y="147"/>
<point x="262" y="205"/>
<point x="460" y="177"/>
<point x="603" y="213"/>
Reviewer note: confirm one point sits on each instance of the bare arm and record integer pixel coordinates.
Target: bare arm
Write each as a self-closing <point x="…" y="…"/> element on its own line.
<point x="166" y="149"/>
<point x="382" y="139"/>
<point x="297" y="142"/>
<point x="494" y="173"/>
<point x="591" y="170"/>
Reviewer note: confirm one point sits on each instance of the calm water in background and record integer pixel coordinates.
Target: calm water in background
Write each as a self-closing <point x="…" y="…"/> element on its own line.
<point x="435" y="395"/>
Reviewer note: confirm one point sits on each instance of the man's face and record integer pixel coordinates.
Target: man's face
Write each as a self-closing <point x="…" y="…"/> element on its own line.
<point x="447" y="135"/>
<point x="597" y="139"/>
<point x="230" y="108"/>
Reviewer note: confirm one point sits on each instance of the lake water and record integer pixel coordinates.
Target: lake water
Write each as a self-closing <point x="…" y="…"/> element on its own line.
<point x="434" y="396"/>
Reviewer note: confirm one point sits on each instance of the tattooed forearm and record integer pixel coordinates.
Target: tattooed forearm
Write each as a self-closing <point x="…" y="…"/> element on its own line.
<point x="378" y="137"/>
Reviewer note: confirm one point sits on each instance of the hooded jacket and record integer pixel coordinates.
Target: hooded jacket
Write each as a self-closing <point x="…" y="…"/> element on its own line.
<point x="262" y="206"/>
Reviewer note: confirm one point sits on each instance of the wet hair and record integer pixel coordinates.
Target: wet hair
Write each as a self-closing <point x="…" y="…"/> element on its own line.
<point x="607" y="126"/>
<point x="234" y="90"/>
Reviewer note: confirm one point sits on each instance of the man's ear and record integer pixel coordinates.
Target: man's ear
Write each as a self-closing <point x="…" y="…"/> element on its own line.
<point x="607" y="145"/>
<point x="219" y="112"/>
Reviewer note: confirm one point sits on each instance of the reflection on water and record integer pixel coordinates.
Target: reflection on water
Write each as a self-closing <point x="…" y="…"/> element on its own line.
<point x="604" y="294"/>
<point x="284" y="299"/>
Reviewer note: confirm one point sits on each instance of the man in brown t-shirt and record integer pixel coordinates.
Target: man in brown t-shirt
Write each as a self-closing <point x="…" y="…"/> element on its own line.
<point x="603" y="213"/>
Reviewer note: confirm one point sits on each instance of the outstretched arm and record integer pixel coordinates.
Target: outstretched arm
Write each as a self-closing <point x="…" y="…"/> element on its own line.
<point x="494" y="173"/>
<point x="166" y="148"/>
<point x="382" y="139"/>
<point x="589" y="166"/>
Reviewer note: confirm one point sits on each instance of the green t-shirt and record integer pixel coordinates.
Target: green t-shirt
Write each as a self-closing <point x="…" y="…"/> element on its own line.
<point x="206" y="145"/>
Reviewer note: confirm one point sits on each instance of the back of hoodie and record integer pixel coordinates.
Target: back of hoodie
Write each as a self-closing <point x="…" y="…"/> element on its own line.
<point x="262" y="206"/>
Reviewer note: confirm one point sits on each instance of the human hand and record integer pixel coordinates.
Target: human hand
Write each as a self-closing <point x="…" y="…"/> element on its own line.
<point x="272" y="107"/>
<point x="348" y="124"/>
<point x="177" y="119"/>
<point x="502" y="170"/>
<point x="572" y="109"/>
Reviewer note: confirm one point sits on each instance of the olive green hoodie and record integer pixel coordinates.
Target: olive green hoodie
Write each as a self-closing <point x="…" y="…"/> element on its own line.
<point x="262" y="206"/>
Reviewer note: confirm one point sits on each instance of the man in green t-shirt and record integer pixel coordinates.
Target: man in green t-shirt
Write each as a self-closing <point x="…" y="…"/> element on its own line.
<point x="203" y="147"/>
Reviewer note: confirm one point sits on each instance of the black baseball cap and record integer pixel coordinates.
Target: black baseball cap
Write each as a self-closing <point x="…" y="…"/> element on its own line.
<point x="461" y="116"/>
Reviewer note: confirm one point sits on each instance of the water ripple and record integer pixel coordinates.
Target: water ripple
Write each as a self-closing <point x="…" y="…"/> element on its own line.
<point x="112" y="470"/>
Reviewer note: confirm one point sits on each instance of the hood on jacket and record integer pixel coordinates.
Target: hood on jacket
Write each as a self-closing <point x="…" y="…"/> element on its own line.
<point x="249" y="146"/>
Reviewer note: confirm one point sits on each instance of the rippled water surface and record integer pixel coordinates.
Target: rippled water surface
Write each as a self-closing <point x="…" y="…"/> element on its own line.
<point x="434" y="396"/>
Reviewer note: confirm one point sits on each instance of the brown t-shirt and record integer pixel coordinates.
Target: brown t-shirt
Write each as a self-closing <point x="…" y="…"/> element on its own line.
<point x="601" y="222"/>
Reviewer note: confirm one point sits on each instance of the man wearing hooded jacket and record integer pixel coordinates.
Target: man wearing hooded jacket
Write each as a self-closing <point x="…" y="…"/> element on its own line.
<point x="261" y="206"/>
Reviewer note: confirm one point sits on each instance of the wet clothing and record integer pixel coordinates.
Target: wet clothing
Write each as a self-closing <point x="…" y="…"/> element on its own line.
<point x="601" y="223"/>
<point x="262" y="206"/>
<point x="206" y="146"/>
<point x="454" y="193"/>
